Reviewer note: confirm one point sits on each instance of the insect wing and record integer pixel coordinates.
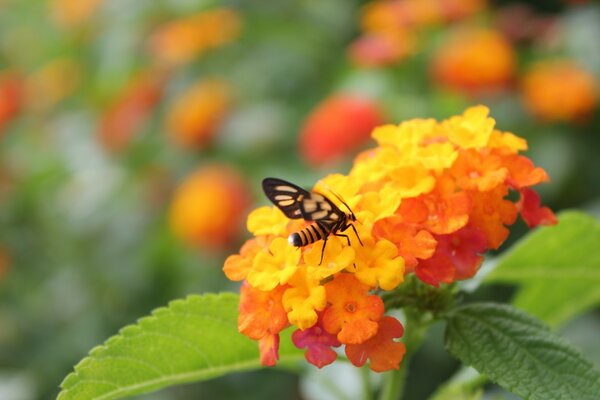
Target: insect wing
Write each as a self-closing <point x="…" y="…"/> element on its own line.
<point x="286" y="196"/>
<point x="317" y="207"/>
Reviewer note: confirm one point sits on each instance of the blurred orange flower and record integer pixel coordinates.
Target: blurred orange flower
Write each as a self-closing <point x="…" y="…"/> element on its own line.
<point x="72" y="13"/>
<point x="196" y="115"/>
<point x="122" y="120"/>
<point x="181" y="40"/>
<point x="338" y="126"/>
<point x="391" y="27"/>
<point x="209" y="207"/>
<point x="473" y="60"/>
<point x="11" y="97"/>
<point x="560" y="91"/>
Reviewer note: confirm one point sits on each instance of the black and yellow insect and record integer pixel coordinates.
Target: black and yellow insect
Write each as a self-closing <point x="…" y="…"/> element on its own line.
<point x="297" y="203"/>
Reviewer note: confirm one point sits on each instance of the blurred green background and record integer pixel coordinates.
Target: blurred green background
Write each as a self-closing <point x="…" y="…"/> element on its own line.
<point x="134" y="136"/>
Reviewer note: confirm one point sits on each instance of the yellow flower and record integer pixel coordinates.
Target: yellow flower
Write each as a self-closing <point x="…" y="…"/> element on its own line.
<point x="411" y="181"/>
<point x="472" y="129"/>
<point x="336" y="257"/>
<point x="506" y="142"/>
<point x="303" y="299"/>
<point x="267" y="221"/>
<point x="275" y="266"/>
<point x="379" y="264"/>
<point x="437" y="156"/>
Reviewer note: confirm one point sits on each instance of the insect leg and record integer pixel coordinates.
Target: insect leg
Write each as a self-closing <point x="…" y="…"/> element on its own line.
<point x="326" y="232"/>
<point x="356" y="233"/>
<point x="342" y="235"/>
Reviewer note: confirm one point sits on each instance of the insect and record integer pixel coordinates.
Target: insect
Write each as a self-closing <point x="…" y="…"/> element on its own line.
<point x="296" y="203"/>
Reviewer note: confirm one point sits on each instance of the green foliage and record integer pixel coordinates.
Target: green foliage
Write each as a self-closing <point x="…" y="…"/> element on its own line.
<point x="190" y="340"/>
<point x="557" y="268"/>
<point x="519" y="353"/>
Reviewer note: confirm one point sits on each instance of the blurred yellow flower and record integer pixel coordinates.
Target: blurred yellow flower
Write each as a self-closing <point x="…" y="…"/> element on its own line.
<point x="52" y="83"/>
<point x="560" y="91"/>
<point x="209" y="207"/>
<point x="72" y="13"/>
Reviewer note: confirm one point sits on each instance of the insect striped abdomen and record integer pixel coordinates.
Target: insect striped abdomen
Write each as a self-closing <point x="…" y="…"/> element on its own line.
<point x="306" y="236"/>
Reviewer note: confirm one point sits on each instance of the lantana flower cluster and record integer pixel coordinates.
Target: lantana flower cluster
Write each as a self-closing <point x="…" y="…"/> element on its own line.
<point x="430" y="199"/>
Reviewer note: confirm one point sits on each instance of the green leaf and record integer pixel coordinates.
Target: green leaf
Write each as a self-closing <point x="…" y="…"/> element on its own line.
<point x="557" y="268"/>
<point x="520" y="353"/>
<point x="190" y="340"/>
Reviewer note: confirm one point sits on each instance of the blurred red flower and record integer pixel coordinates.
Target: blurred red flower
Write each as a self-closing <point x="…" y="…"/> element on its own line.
<point x="124" y="118"/>
<point x="474" y="60"/>
<point x="11" y="97"/>
<point x="337" y="127"/>
<point x="209" y="207"/>
<point x="560" y="91"/>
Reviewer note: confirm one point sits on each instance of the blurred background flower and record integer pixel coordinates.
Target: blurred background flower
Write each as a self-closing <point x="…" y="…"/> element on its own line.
<point x="134" y="136"/>
<point x="210" y="207"/>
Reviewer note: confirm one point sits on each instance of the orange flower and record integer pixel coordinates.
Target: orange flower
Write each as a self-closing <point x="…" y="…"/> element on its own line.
<point x="237" y="266"/>
<point x="261" y="313"/>
<point x="491" y="213"/>
<point x="209" y="206"/>
<point x="268" y="346"/>
<point x="180" y="41"/>
<point x="338" y="126"/>
<point x="560" y="91"/>
<point x="475" y="171"/>
<point x="11" y="97"/>
<point x="196" y="115"/>
<point x="385" y="353"/>
<point x="353" y="313"/>
<point x="412" y="242"/>
<point x="128" y="113"/>
<point x="463" y="61"/>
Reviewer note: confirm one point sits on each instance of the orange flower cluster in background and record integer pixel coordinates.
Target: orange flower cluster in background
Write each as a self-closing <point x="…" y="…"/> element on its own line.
<point x="209" y="207"/>
<point x="560" y="91"/>
<point x="125" y="117"/>
<point x="338" y="126"/>
<point x="197" y="114"/>
<point x="180" y="41"/>
<point x="11" y="97"/>
<point x="430" y="199"/>
<point x="390" y="27"/>
<point x="474" y="60"/>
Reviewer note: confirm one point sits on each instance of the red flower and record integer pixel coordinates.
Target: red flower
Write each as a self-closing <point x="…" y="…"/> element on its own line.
<point x="318" y="343"/>
<point x="531" y="210"/>
<point x="337" y="127"/>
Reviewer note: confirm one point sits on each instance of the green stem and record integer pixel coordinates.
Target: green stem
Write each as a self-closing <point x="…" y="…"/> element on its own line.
<point x="366" y="383"/>
<point x="415" y="329"/>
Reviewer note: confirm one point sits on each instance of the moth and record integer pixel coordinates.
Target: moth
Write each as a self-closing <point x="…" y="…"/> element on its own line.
<point x="297" y="203"/>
